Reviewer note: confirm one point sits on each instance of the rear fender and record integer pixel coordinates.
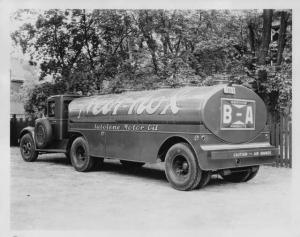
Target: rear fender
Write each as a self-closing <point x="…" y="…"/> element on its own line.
<point x="194" y="145"/>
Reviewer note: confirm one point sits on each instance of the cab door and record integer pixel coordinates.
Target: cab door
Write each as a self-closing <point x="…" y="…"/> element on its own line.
<point x="52" y="115"/>
<point x="57" y="112"/>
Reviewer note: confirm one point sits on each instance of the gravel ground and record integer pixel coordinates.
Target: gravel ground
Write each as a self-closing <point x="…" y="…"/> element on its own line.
<point x="50" y="195"/>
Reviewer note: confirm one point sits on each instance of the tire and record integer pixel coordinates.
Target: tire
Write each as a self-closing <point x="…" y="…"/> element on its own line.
<point x="67" y="153"/>
<point x="237" y="176"/>
<point x="131" y="164"/>
<point x="42" y="132"/>
<point x="68" y="158"/>
<point x="202" y="180"/>
<point x="181" y="167"/>
<point x="253" y="173"/>
<point x="27" y="148"/>
<point x="99" y="163"/>
<point x="79" y="154"/>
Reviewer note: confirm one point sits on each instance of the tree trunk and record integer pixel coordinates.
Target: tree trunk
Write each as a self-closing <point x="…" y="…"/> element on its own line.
<point x="129" y="48"/>
<point x="263" y="53"/>
<point x="145" y="27"/>
<point x="251" y="36"/>
<point x="282" y="34"/>
<point x="266" y="36"/>
<point x="66" y="79"/>
<point x="152" y="47"/>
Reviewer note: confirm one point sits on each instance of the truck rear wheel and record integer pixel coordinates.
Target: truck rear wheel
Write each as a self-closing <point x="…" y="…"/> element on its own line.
<point x="237" y="176"/>
<point x="202" y="180"/>
<point x="253" y="173"/>
<point x="79" y="154"/>
<point x="42" y="132"/>
<point x="181" y="167"/>
<point x="27" y="148"/>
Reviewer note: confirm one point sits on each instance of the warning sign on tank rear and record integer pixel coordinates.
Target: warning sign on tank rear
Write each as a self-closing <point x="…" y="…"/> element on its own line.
<point x="237" y="114"/>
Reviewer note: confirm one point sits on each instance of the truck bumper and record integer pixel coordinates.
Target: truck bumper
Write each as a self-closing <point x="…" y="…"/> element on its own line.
<point x="233" y="156"/>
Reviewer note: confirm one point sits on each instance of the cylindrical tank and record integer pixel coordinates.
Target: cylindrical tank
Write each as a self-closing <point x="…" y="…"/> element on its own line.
<point x="233" y="113"/>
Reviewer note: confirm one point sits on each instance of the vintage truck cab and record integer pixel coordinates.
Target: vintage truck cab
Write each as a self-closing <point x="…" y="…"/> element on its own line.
<point x="195" y="131"/>
<point x="50" y="134"/>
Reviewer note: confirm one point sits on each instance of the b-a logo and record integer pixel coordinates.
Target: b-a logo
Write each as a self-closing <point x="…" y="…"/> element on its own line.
<point x="237" y="114"/>
<point x="227" y="114"/>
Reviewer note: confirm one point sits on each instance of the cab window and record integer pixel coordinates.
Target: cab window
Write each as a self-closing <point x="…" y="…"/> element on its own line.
<point x="51" y="109"/>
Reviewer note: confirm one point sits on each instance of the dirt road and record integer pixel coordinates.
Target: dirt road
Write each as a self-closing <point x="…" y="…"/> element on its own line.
<point x="50" y="195"/>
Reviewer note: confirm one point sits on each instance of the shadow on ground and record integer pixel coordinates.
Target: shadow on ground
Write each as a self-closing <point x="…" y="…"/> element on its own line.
<point x="113" y="166"/>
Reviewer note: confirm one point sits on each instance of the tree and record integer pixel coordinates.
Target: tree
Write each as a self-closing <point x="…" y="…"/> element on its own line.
<point x="266" y="36"/>
<point x="282" y="35"/>
<point x="107" y="51"/>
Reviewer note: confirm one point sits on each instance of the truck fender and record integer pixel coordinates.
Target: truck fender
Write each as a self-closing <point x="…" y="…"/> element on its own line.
<point x="172" y="140"/>
<point x="26" y="130"/>
<point x="73" y="136"/>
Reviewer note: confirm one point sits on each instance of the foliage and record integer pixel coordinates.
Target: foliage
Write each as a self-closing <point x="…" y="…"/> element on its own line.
<point x="107" y="51"/>
<point x="36" y="103"/>
<point x="277" y="89"/>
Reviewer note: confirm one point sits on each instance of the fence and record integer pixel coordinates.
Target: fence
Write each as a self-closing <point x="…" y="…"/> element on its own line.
<point x="281" y="136"/>
<point x="17" y="123"/>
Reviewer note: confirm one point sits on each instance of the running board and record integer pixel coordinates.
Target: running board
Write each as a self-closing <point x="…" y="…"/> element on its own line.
<point x="52" y="150"/>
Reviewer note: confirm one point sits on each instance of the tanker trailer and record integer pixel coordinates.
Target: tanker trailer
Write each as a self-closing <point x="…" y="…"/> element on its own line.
<point x="195" y="131"/>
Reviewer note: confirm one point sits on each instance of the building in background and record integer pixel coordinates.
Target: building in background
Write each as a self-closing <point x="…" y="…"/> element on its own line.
<point x="20" y="72"/>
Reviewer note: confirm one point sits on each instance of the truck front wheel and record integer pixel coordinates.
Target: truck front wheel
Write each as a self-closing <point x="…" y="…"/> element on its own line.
<point x="27" y="148"/>
<point x="79" y="154"/>
<point x="181" y="167"/>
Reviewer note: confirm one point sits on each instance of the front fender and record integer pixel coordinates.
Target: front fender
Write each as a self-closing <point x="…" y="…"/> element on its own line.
<point x="26" y="130"/>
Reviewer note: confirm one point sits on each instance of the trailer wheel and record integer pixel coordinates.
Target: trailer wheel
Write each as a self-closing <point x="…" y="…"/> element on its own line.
<point x="253" y="173"/>
<point x="79" y="154"/>
<point x="131" y="164"/>
<point x="237" y="176"/>
<point x="42" y="132"/>
<point x="202" y="180"/>
<point x="27" y="148"/>
<point x="98" y="163"/>
<point x="181" y="167"/>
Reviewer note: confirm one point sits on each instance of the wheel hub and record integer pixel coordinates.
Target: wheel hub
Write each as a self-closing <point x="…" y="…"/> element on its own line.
<point x="26" y="147"/>
<point x="80" y="154"/>
<point x="181" y="166"/>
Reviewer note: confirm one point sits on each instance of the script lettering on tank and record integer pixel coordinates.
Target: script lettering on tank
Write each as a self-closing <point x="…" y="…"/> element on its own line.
<point x="127" y="127"/>
<point x="148" y="105"/>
